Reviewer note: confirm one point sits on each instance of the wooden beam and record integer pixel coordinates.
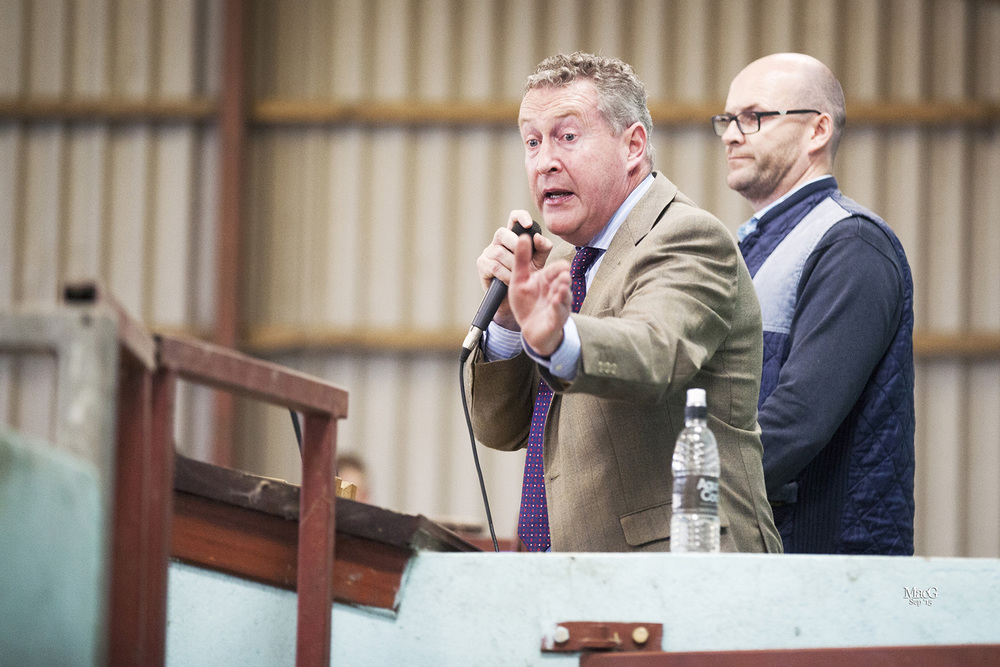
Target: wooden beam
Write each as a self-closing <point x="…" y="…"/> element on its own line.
<point x="248" y="526"/>
<point x="409" y="112"/>
<point x="232" y="201"/>
<point x="158" y="485"/>
<point x="930" y="113"/>
<point x="503" y="113"/>
<point x="275" y="339"/>
<point x="109" y="110"/>
<point x="230" y="371"/>
<point x="493" y="113"/>
<point x="279" y="339"/>
<point x="972" y="346"/>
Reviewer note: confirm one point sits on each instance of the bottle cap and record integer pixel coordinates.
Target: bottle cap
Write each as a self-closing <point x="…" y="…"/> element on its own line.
<point x="696" y="397"/>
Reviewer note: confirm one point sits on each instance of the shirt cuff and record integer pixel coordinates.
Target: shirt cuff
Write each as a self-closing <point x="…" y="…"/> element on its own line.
<point x="565" y="359"/>
<point x="500" y="343"/>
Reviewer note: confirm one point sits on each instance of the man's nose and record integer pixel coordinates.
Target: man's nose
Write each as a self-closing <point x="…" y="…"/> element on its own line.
<point x="546" y="161"/>
<point x="732" y="135"/>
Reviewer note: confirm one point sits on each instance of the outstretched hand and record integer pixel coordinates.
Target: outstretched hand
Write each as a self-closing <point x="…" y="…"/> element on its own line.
<point x="497" y="261"/>
<point x="540" y="300"/>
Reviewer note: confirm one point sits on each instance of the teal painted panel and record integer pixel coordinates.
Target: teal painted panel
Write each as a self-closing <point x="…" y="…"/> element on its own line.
<point x="52" y="557"/>
<point x="214" y="619"/>
<point x="495" y="609"/>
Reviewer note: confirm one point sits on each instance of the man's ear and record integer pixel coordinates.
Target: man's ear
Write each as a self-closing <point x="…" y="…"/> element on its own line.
<point x="637" y="143"/>
<point x="822" y="133"/>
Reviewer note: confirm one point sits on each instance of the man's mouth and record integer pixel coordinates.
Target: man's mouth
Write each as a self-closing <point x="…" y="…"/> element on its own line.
<point x="555" y="196"/>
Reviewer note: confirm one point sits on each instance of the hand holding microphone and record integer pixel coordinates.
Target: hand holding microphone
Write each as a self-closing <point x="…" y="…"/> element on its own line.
<point x="501" y="250"/>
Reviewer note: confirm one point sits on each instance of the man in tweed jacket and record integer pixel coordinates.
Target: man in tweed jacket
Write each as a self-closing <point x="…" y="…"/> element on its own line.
<point x="669" y="305"/>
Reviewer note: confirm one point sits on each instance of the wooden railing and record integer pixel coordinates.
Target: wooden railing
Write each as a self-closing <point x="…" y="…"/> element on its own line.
<point x="144" y="487"/>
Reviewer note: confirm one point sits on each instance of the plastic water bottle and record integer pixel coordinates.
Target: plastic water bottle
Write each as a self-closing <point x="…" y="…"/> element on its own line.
<point x="694" y="525"/>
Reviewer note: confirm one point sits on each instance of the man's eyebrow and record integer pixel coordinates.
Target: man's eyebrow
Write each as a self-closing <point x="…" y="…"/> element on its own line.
<point x="736" y="112"/>
<point x="561" y="117"/>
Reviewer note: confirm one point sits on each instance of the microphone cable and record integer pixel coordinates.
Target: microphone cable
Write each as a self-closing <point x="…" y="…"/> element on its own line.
<point x="475" y="451"/>
<point x="495" y="295"/>
<point x="298" y="429"/>
<point x="472" y="438"/>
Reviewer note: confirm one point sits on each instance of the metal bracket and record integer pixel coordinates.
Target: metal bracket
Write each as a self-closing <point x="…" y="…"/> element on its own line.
<point x="572" y="636"/>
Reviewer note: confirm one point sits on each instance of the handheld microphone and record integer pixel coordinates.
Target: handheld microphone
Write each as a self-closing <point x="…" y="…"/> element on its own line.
<point x="494" y="297"/>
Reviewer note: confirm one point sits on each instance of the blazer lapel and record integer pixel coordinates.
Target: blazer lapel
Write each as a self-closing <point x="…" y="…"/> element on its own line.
<point x="643" y="217"/>
<point x="646" y="213"/>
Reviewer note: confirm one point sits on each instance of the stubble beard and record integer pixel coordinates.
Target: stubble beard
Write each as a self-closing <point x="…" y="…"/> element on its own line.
<point x="752" y="182"/>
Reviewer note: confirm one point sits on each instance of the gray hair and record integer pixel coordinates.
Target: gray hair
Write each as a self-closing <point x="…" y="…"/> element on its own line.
<point x="830" y="98"/>
<point x="621" y="95"/>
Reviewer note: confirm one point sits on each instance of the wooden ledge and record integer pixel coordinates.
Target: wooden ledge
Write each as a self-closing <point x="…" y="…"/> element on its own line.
<point x="247" y="526"/>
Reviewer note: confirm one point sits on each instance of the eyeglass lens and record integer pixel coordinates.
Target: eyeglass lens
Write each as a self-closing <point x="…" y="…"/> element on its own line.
<point x="747" y="122"/>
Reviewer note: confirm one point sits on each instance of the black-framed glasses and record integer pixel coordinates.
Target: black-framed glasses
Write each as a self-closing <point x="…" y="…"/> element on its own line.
<point x="748" y="122"/>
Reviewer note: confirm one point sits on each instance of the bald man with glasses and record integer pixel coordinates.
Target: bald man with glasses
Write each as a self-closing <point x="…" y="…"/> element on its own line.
<point x="836" y="405"/>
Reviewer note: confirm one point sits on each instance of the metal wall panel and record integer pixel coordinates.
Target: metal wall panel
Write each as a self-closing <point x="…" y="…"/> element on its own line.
<point x="127" y="202"/>
<point x="373" y="228"/>
<point x="686" y="53"/>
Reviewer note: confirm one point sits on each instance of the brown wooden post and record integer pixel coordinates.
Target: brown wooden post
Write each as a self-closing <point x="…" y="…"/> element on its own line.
<point x="159" y="515"/>
<point x="143" y="490"/>
<point x="232" y="147"/>
<point x="317" y="520"/>
<point x="128" y="620"/>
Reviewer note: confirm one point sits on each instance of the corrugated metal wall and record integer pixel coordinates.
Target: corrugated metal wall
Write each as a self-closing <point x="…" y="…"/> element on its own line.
<point x="370" y="195"/>
<point x="129" y="202"/>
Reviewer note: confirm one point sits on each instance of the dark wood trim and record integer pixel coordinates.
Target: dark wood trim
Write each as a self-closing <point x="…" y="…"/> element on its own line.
<point x="317" y="538"/>
<point x="276" y="497"/>
<point x="263" y="547"/>
<point x="131" y="631"/>
<point x="253" y="545"/>
<point x="215" y="366"/>
<point x="971" y="655"/>
<point x="247" y="526"/>
<point x="232" y="202"/>
<point x="158" y="485"/>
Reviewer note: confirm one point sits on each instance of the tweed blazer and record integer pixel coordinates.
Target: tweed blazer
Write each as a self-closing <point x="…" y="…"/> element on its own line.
<point x="672" y="306"/>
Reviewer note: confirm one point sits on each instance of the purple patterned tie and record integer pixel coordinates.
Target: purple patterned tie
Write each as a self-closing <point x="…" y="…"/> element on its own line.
<point x="533" y="522"/>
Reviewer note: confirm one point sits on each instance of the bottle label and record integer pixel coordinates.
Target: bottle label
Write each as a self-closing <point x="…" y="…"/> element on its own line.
<point x="696" y="494"/>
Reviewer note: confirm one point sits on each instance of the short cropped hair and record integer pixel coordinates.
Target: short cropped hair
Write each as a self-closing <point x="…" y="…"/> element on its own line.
<point x="829" y="97"/>
<point x="621" y="95"/>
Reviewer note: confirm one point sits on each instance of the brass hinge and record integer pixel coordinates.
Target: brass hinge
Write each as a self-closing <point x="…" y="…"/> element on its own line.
<point x="603" y="636"/>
